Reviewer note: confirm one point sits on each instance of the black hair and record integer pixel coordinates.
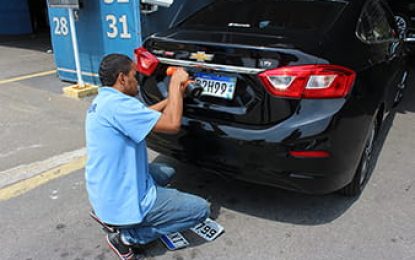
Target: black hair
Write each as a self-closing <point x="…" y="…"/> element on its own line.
<point x="111" y="66"/>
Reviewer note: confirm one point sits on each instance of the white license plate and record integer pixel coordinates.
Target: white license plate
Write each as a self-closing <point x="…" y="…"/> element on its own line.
<point x="216" y="86"/>
<point x="174" y="241"/>
<point x="208" y="230"/>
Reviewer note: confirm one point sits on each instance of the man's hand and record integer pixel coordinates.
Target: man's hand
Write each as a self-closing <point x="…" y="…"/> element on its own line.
<point x="178" y="80"/>
<point x="171" y="116"/>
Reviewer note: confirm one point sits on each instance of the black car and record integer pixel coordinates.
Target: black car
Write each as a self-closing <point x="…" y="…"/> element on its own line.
<point x="404" y="11"/>
<point x="295" y="92"/>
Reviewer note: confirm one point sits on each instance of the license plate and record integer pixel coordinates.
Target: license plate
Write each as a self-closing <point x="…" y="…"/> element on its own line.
<point x="174" y="241"/>
<point x="216" y="86"/>
<point x="208" y="230"/>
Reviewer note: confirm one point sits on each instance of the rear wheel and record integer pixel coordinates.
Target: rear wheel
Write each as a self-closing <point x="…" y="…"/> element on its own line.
<point x="363" y="172"/>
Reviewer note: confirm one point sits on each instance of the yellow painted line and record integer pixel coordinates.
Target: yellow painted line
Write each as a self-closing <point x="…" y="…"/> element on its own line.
<point x="24" y="186"/>
<point x="40" y="74"/>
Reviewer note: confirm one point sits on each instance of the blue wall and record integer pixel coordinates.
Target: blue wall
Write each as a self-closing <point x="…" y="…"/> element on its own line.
<point x="15" y="17"/>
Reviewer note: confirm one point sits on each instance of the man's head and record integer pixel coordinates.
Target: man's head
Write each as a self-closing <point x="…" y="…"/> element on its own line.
<point x="118" y="71"/>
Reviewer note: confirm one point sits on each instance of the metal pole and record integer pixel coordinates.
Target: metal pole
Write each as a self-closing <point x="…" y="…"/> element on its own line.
<point x="75" y="47"/>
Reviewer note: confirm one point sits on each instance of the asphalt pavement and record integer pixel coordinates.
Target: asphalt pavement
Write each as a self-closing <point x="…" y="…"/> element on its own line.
<point x="51" y="221"/>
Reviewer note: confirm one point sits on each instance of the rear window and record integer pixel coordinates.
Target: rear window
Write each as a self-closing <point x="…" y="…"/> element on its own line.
<point x="267" y="16"/>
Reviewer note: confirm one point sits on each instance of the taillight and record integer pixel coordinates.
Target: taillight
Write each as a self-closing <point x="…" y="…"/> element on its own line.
<point x="309" y="81"/>
<point x="146" y="62"/>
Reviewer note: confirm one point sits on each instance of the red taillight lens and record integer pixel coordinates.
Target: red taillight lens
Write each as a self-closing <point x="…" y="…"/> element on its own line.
<point x="146" y="62"/>
<point x="309" y="81"/>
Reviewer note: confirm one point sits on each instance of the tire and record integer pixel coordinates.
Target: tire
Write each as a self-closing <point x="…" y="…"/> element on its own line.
<point x="363" y="172"/>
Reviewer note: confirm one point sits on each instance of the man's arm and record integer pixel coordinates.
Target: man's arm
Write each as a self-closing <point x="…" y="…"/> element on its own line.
<point x="171" y="117"/>
<point x="160" y="106"/>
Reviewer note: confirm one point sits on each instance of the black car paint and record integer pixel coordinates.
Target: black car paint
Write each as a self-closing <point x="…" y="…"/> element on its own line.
<point x="251" y="139"/>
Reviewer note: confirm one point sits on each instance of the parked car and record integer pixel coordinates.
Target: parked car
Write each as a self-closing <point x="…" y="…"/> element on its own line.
<point x="404" y="11"/>
<point x="295" y="92"/>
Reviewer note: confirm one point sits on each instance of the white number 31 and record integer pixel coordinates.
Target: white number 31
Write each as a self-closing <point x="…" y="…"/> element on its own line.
<point x="113" y="27"/>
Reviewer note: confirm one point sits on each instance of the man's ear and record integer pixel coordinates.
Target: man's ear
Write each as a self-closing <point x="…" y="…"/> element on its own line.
<point x="121" y="79"/>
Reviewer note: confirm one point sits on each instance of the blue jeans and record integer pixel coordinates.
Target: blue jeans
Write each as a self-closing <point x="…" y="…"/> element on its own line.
<point x="173" y="211"/>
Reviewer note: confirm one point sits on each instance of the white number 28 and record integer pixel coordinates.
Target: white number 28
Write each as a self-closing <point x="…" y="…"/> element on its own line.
<point x="61" y="26"/>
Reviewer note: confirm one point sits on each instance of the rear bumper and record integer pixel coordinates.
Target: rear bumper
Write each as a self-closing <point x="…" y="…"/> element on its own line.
<point x="262" y="156"/>
<point x="268" y="165"/>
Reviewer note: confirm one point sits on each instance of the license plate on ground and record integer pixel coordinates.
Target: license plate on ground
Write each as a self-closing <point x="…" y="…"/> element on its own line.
<point x="174" y="241"/>
<point x="216" y="86"/>
<point x="208" y="230"/>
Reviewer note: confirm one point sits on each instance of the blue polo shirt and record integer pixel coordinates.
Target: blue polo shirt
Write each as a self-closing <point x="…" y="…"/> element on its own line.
<point x="118" y="182"/>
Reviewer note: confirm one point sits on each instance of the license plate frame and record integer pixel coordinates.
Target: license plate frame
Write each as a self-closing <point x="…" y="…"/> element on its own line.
<point x="218" y="86"/>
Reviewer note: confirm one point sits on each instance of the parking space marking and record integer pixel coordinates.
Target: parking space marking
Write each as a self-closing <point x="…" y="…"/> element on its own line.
<point x="26" y="171"/>
<point x="34" y="75"/>
<point x="29" y="177"/>
<point x="24" y="186"/>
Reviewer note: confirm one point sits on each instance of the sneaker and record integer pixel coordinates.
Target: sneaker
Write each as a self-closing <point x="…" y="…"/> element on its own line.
<point x="124" y="252"/>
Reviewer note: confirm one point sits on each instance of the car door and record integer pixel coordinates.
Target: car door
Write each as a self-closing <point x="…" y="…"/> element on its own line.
<point x="387" y="65"/>
<point x="396" y="56"/>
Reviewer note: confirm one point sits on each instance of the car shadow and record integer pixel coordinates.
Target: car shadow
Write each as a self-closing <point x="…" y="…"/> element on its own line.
<point x="263" y="201"/>
<point x="258" y="200"/>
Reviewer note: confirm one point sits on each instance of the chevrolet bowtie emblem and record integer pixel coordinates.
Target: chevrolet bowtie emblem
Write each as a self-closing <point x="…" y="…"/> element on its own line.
<point x="201" y="56"/>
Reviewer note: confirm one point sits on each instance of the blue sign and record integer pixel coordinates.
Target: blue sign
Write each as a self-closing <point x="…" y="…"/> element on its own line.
<point x="102" y="27"/>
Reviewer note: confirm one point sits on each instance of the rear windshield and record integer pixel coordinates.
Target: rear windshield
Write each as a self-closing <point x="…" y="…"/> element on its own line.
<point x="267" y="16"/>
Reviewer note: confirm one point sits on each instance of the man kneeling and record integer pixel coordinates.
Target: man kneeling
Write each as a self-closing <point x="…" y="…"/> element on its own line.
<point x="123" y="188"/>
